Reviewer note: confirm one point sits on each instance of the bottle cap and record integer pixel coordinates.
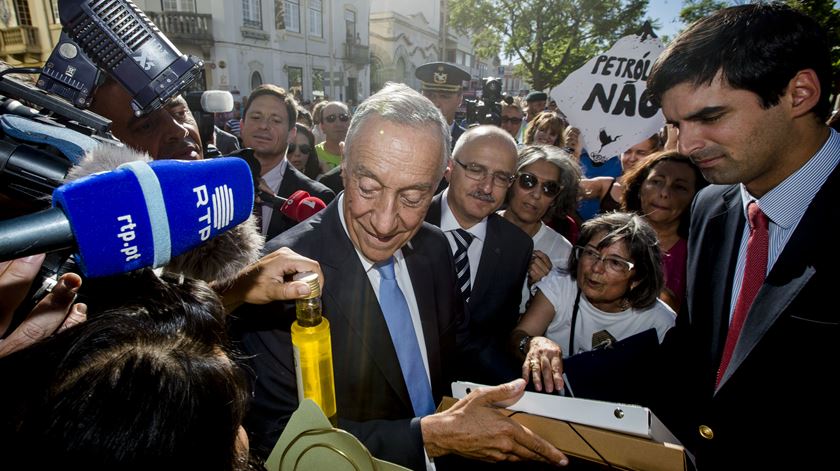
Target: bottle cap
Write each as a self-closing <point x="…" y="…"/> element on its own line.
<point x="310" y="278"/>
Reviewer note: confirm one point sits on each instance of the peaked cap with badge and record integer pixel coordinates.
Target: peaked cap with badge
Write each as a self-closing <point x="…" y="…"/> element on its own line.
<point x="441" y="77"/>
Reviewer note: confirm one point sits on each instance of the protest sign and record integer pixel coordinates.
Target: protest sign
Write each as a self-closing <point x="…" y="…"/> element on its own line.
<point x="607" y="98"/>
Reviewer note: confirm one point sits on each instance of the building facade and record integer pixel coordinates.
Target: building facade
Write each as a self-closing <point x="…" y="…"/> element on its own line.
<point x="29" y="30"/>
<point x="314" y="48"/>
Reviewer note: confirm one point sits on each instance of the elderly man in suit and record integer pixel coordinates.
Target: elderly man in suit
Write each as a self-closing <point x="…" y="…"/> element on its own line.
<point x="392" y="361"/>
<point x="748" y="87"/>
<point x="491" y="254"/>
<point x="268" y="126"/>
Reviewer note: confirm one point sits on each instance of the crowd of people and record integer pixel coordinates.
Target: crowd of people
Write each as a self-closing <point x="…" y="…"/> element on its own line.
<point x="713" y="242"/>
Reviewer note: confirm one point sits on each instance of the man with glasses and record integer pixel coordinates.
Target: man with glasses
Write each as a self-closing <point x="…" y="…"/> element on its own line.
<point x="335" y="119"/>
<point x="268" y="126"/>
<point x="395" y="315"/>
<point x="491" y="254"/>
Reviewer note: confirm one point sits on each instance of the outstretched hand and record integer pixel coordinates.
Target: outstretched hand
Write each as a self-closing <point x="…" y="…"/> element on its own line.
<point x="476" y="427"/>
<point x="264" y="280"/>
<point x="54" y="313"/>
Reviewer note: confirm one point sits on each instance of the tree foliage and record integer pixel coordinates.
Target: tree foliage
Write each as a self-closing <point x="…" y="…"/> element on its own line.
<point x="548" y="38"/>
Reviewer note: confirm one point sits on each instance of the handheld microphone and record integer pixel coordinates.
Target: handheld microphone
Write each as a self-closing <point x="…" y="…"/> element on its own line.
<point x="139" y="215"/>
<point x="298" y="206"/>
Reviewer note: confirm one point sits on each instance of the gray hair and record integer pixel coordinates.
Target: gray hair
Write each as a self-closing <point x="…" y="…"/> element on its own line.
<point x="570" y="171"/>
<point x="399" y="104"/>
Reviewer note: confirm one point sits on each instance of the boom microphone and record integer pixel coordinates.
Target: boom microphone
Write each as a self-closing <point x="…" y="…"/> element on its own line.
<point x="139" y="215"/>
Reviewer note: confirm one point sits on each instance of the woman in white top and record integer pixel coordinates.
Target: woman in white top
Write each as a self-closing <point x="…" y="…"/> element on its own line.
<point x="544" y="176"/>
<point x="609" y="293"/>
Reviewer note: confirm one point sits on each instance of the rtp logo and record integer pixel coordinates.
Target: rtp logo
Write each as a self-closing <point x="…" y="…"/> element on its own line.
<point x="219" y="208"/>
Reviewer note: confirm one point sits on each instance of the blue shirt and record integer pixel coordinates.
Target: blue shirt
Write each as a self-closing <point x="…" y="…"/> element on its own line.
<point x="785" y="205"/>
<point x="588" y="208"/>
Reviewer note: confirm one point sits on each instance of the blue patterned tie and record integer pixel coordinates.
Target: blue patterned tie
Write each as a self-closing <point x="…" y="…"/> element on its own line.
<point x="398" y="317"/>
<point x="463" y="239"/>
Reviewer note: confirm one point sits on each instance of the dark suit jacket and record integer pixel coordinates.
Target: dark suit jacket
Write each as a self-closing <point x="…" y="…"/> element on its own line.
<point x="293" y="180"/>
<point x="775" y="394"/>
<point x="495" y="296"/>
<point x="455" y="131"/>
<point x="332" y="180"/>
<point x="372" y="398"/>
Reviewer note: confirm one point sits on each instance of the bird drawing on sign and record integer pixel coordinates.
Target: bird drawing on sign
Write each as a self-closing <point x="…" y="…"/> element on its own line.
<point x="606" y="139"/>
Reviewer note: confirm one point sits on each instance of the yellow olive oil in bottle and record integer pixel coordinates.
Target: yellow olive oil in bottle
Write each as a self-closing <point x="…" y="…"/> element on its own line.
<point x="313" y="350"/>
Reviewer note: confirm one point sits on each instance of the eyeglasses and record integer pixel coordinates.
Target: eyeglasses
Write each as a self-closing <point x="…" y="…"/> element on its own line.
<point x="304" y="148"/>
<point x="612" y="263"/>
<point x="528" y="181"/>
<point x="511" y="120"/>
<point x="343" y="117"/>
<point x="479" y="173"/>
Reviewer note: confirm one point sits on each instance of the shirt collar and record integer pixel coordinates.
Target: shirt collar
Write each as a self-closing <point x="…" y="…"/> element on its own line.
<point x="785" y="204"/>
<point x="449" y="223"/>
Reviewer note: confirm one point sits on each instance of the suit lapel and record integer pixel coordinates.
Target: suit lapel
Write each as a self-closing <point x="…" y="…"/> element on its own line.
<point x="288" y="185"/>
<point x="791" y="272"/>
<point x="724" y="231"/>
<point x="351" y="288"/>
<point x="491" y="254"/>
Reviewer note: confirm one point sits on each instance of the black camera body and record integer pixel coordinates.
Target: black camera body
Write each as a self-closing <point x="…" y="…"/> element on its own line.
<point x="487" y="109"/>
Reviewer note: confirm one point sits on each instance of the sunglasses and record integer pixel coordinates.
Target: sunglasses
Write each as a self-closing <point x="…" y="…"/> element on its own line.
<point x="343" y="117"/>
<point x="304" y="148"/>
<point x="528" y="181"/>
<point x="511" y="120"/>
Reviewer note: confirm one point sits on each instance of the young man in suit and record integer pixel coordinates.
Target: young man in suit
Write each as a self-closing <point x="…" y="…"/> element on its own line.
<point x="497" y="253"/>
<point x="372" y="242"/>
<point x="268" y="126"/>
<point x="748" y="87"/>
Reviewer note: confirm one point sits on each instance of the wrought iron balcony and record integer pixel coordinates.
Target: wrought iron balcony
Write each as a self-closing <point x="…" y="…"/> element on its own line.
<point x="357" y="54"/>
<point x="19" y="40"/>
<point x="184" y="26"/>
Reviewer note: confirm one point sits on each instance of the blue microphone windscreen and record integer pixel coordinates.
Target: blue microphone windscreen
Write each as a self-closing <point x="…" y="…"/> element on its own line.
<point x="141" y="215"/>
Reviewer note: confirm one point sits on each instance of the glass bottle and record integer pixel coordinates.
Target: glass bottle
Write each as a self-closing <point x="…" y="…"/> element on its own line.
<point x="313" y="349"/>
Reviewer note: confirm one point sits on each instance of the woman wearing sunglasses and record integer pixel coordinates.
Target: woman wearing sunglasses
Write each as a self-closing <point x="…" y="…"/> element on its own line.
<point x="609" y="293"/>
<point x="301" y="153"/>
<point x="545" y="176"/>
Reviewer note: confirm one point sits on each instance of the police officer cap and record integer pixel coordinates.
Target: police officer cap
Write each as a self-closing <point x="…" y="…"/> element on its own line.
<point x="536" y="96"/>
<point x="441" y="77"/>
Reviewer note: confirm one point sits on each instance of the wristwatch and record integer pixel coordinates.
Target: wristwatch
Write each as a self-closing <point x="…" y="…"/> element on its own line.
<point x="523" y="344"/>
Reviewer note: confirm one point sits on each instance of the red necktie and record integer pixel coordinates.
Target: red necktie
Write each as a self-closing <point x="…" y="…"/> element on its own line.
<point x="755" y="271"/>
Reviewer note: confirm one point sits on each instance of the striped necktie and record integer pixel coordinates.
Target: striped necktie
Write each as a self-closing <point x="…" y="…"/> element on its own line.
<point x="463" y="239"/>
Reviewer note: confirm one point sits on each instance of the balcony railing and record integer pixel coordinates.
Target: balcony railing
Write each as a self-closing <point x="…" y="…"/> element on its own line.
<point x="184" y="26"/>
<point x="357" y="54"/>
<point x="19" y="40"/>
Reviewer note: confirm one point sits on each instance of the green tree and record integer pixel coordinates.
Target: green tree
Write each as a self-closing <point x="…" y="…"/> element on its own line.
<point x="828" y="17"/>
<point x="548" y="38"/>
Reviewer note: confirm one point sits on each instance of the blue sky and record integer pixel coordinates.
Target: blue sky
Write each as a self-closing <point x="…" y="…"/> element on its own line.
<point x="668" y="14"/>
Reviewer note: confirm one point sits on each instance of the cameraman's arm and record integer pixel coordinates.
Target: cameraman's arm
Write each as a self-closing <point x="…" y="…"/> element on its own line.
<point x="52" y="314"/>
